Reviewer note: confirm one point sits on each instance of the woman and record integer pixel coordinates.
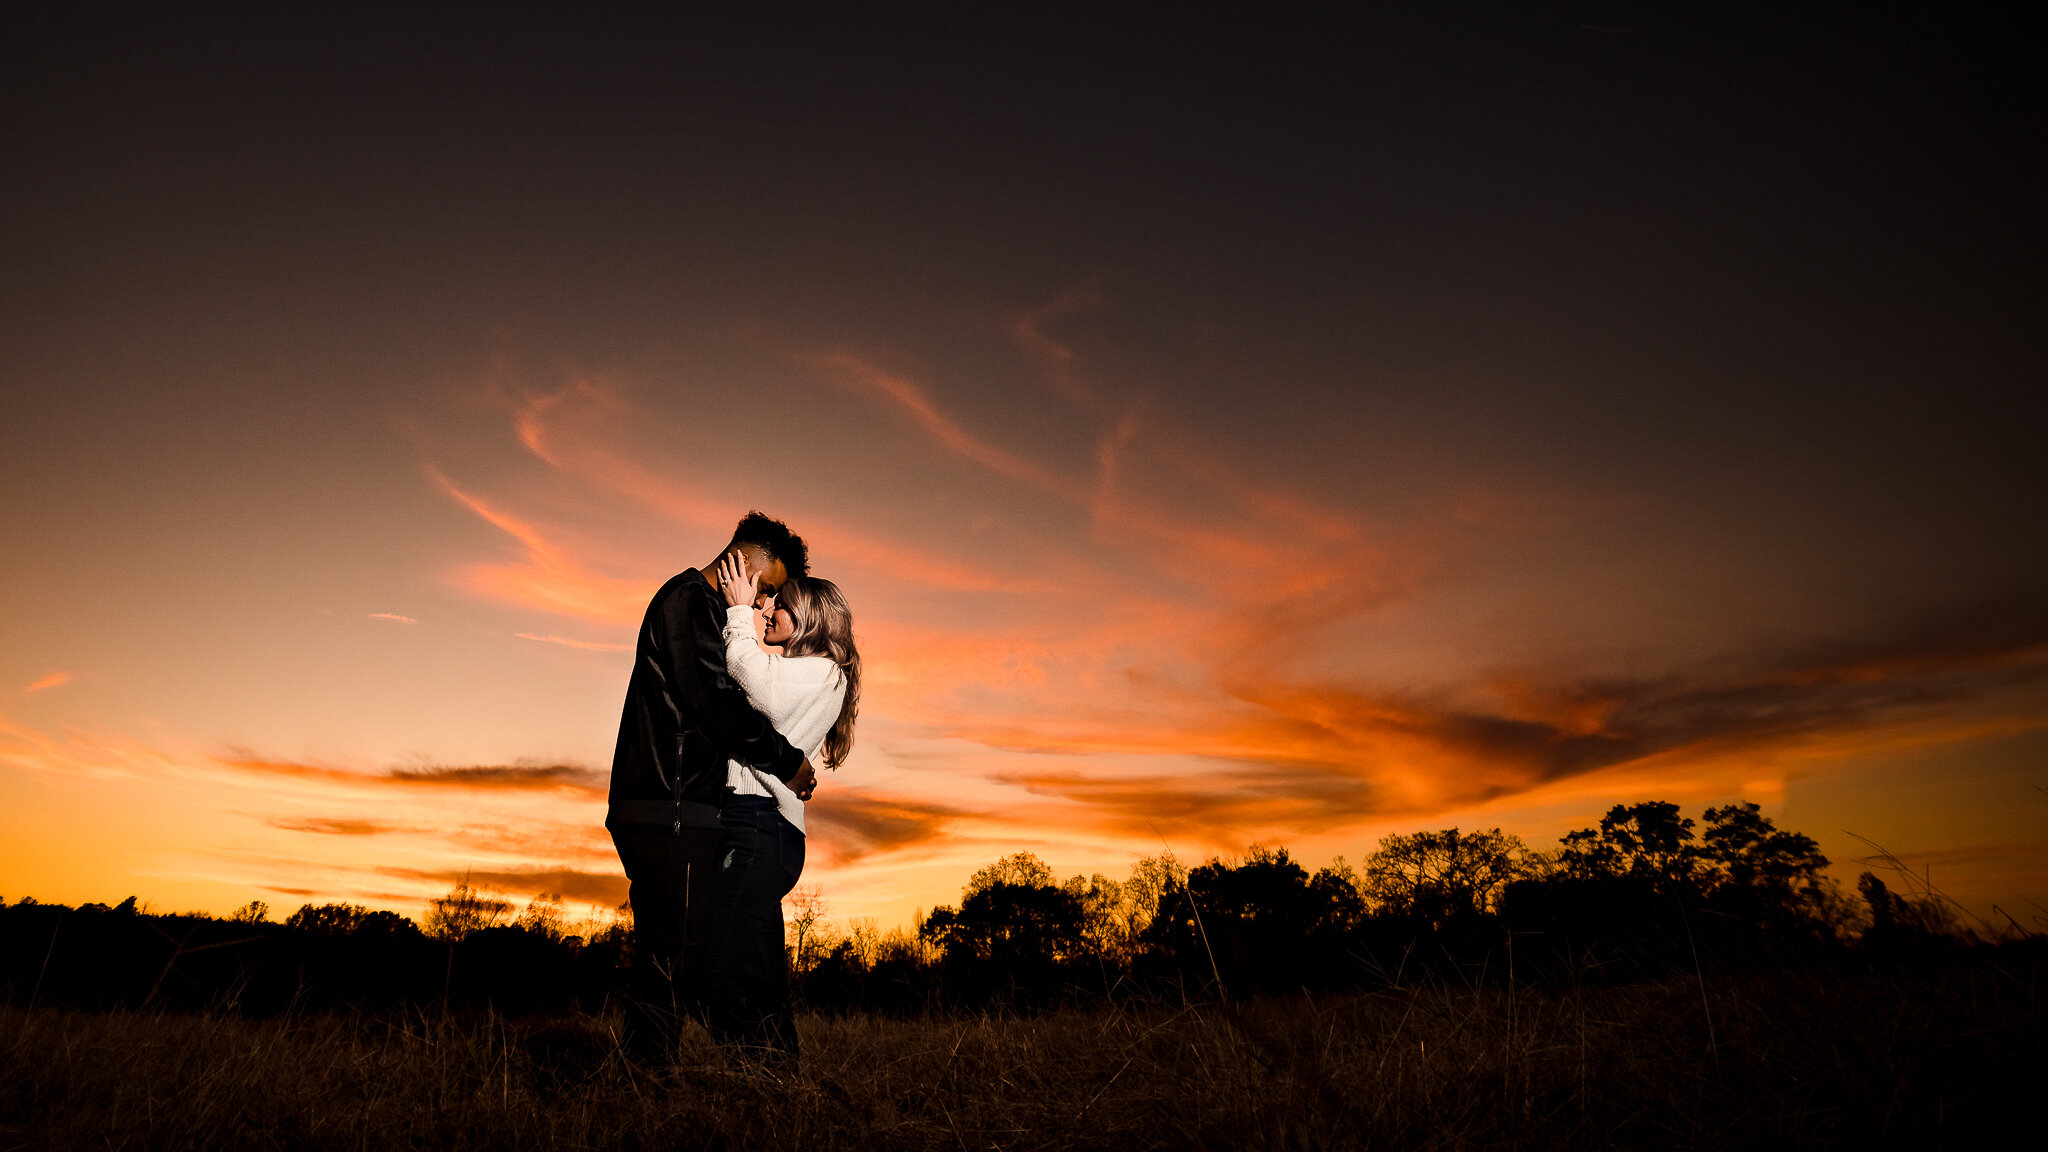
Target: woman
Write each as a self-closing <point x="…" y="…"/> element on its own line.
<point x="795" y="659"/>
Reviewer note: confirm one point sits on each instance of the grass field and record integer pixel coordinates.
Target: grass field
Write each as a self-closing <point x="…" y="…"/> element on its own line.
<point x="1783" y="1060"/>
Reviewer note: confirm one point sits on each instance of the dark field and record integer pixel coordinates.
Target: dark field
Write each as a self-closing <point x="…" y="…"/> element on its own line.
<point x="1785" y="1059"/>
<point x="1640" y="988"/>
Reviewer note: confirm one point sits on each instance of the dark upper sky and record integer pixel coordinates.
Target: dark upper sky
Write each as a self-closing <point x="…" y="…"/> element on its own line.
<point x="1767" y="279"/>
<point x="1610" y="230"/>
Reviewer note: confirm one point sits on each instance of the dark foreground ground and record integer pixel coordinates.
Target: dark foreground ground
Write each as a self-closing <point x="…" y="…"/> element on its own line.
<point x="1784" y="1060"/>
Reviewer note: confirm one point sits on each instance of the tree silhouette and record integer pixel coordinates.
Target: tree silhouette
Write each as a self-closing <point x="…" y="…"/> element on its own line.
<point x="1750" y="850"/>
<point x="1010" y="942"/>
<point x="1755" y="872"/>
<point x="543" y="916"/>
<point x="327" y="919"/>
<point x="1338" y="894"/>
<point x="806" y="904"/>
<point x="1104" y="916"/>
<point x="1011" y="924"/>
<point x="1650" y="841"/>
<point x="1262" y="924"/>
<point x="1019" y="869"/>
<point x="463" y="912"/>
<point x="1437" y="877"/>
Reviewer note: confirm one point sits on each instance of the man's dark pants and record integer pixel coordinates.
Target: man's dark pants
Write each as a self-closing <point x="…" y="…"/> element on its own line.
<point x="673" y="876"/>
<point x="747" y="972"/>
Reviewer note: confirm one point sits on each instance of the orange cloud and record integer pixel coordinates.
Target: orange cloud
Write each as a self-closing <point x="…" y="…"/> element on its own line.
<point x="586" y="645"/>
<point x="53" y="680"/>
<point x="486" y="777"/>
<point x="1312" y="758"/>
<point x="1189" y="457"/>
<point x="849" y="824"/>
<point x="216" y="812"/>
<point x="569" y="776"/>
<point x="547" y="578"/>
<point x="327" y="827"/>
<point x="910" y="399"/>
<point x="607" y="888"/>
<point x="567" y="429"/>
<point x="84" y="756"/>
<point x="1207" y="547"/>
<point x="1029" y="327"/>
<point x="1327" y="553"/>
<point x="394" y="617"/>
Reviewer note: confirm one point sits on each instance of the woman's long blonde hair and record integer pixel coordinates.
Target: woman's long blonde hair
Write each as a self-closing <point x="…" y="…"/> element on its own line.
<point x="824" y="627"/>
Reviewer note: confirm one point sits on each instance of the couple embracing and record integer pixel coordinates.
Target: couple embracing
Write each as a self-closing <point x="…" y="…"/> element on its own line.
<point x="745" y="682"/>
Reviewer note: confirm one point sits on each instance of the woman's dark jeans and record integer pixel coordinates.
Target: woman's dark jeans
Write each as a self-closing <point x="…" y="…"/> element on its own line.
<point x="747" y="971"/>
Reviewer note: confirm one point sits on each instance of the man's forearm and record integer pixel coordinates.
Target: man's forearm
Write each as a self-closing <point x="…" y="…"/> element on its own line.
<point x="745" y="735"/>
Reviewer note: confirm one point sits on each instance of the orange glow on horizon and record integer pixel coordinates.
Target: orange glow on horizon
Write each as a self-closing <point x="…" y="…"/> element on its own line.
<point x="1166" y="668"/>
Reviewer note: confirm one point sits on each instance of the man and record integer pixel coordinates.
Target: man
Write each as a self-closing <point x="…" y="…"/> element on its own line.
<point x="684" y="718"/>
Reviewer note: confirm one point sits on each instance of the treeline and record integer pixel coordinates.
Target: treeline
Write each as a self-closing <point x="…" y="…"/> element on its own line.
<point x="1646" y="894"/>
<point x="472" y="949"/>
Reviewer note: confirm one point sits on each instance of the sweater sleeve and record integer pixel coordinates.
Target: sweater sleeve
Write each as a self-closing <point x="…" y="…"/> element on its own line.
<point x="735" y="727"/>
<point x="750" y="667"/>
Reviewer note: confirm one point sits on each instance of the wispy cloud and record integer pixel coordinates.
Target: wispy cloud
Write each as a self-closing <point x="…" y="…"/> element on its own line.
<point x="851" y="824"/>
<point x="579" y="431"/>
<point x="487" y="777"/>
<point x="1321" y="757"/>
<point x="507" y="776"/>
<point x="324" y="826"/>
<point x="906" y="396"/>
<point x="393" y="617"/>
<point x="547" y="577"/>
<point x="80" y="755"/>
<point x="1206" y="545"/>
<point x="1064" y="369"/>
<point x="566" y="642"/>
<point x="607" y="888"/>
<point x="53" y="680"/>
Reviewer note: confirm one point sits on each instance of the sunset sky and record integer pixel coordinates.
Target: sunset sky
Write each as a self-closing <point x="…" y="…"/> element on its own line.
<point x="1285" y="431"/>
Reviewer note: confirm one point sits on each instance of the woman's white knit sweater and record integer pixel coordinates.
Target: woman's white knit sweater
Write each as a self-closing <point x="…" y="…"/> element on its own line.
<point x="800" y="695"/>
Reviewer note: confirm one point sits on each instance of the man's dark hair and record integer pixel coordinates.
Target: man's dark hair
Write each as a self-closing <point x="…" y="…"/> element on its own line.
<point x="775" y="537"/>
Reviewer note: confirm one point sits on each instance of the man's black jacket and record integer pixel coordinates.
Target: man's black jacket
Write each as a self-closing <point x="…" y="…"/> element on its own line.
<point x="685" y="717"/>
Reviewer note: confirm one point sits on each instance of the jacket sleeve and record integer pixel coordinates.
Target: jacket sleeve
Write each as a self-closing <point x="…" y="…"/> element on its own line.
<point x="696" y="636"/>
